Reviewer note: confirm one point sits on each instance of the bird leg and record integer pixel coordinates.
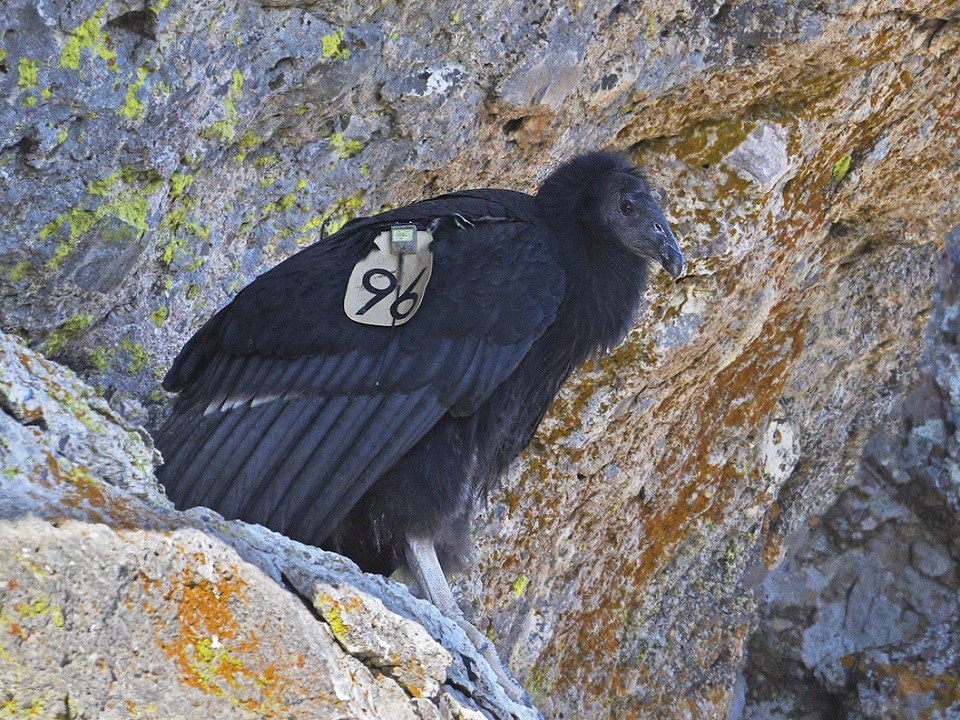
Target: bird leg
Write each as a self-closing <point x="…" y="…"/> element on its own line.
<point x="421" y="557"/>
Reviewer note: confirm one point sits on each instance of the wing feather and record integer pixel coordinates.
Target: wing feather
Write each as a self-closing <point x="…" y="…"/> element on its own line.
<point x="191" y="461"/>
<point x="325" y="460"/>
<point x="227" y="484"/>
<point x="249" y="380"/>
<point x="267" y="486"/>
<point x="223" y="379"/>
<point x="329" y="501"/>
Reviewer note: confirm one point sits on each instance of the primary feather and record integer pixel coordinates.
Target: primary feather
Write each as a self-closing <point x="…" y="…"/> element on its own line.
<point x="352" y="436"/>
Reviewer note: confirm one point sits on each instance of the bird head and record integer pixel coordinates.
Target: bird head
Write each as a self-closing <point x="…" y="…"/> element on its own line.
<point x="606" y="196"/>
<point x="631" y="214"/>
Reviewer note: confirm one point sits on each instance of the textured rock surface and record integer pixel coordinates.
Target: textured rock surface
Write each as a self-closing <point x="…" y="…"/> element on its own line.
<point x="863" y="620"/>
<point x="154" y="158"/>
<point x="114" y="605"/>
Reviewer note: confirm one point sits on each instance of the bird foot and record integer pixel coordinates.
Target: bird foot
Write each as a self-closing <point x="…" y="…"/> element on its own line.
<point x="421" y="557"/>
<point x="511" y="687"/>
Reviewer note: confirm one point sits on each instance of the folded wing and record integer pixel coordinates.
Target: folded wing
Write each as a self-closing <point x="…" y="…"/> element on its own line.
<point x="289" y="411"/>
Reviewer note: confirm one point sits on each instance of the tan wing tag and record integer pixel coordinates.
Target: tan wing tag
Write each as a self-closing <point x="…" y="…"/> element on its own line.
<point x="386" y="287"/>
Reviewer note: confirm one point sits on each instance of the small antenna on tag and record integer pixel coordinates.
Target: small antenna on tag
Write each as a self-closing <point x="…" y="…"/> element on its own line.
<point x="403" y="239"/>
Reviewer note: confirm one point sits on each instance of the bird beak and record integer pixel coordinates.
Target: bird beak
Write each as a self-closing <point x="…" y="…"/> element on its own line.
<point x="670" y="256"/>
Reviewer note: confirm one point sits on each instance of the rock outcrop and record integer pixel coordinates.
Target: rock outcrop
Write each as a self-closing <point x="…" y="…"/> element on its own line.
<point x="115" y="605"/>
<point x="863" y="619"/>
<point x="155" y="156"/>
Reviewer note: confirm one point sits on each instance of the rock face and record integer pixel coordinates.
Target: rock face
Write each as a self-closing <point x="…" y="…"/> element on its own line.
<point x="115" y="605"/>
<point x="863" y="620"/>
<point x="156" y="156"/>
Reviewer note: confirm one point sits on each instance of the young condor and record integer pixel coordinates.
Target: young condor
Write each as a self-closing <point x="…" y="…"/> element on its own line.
<point x="365" y="393"/>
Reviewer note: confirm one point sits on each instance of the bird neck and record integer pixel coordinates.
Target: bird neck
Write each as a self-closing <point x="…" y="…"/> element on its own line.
<point x="603" y="292"/>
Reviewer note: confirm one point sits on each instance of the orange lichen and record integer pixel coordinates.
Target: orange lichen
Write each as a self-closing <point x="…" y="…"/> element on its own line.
<point x="213" y="650"/>
<point x="86" y="497"/>
<point x="911" y="679"/>
<point x="741" y="396"/>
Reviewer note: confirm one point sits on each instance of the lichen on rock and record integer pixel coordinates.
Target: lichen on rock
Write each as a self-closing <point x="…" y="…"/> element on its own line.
<point x="155" y="158"/>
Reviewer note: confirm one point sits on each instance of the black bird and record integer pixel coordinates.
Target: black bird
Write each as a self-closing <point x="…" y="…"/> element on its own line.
<point x="377" y="440"/>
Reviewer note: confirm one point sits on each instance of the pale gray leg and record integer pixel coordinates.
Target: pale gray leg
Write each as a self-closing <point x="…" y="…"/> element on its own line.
<point x="422" y="559"/>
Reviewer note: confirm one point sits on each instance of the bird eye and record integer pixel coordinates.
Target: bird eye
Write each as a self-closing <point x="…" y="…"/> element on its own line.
<point x="627" y="207"/>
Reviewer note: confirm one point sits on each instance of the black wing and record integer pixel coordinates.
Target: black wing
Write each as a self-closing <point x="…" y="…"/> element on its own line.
<point x="289" y="410"/>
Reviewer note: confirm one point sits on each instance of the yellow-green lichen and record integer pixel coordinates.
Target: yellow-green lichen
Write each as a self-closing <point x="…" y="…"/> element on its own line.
<point x="127" y="204"/>
<point x="345" y="149"/>
<point x="14" y="708"/>
<point x="159" y="316"/>
<point x="132" y="108"/>
<point x="201" y="231"/>
<point x="173" y="249"/>
<point x="177" y="224"/>
<point x="520" y="585"/>
<point x="332" y="615"/>
<point x="287" y="201"/>
<point x="65" y="333"/>
<point x="176" y="218"/>
<point x="248" y="142"/>
<point x="102" y="187"/>
<point x="18" y="271"/>
<point x="28" y="73"/>
<point x="335" y="46"/>
<point x="41" y="607"/>
<point x="265" y="160"/>
<point x="79" y="221"/>
<point x="101" y="358"/>
<point x="89" y="35"/>
<point x="840" y="169"/>
<point x="139" y="357"/>
<point x="226" y="129"/>
<point x="313" y="224"/>
<point x="213" y="661"/>
<point x="178" y="183"/>
<point x="342" y="212"/>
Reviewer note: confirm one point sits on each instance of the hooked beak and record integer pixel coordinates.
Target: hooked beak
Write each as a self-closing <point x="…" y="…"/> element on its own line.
<point x="669" y="254"/>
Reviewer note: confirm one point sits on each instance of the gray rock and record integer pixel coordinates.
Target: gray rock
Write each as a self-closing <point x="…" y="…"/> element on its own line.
<point x="879" y="638"/>
<point x="762" y="156"/>
<point x="156" y="157"/>
<point x="117" y="604"/>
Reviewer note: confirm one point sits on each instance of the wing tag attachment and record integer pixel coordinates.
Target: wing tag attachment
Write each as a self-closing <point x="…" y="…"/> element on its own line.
<point x="386" y="287"/>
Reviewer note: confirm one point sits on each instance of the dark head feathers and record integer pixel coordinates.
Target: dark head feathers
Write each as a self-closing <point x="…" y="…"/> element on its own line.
<point x="577" y="184"/>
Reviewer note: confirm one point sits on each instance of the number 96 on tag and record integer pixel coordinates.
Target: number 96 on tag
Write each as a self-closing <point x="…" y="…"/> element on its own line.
<point x="386" y="287"/>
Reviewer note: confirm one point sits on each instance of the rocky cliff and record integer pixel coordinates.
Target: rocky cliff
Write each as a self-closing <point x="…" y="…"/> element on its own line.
<point x="115" y="605"/>
<point x="747" y="509"/>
